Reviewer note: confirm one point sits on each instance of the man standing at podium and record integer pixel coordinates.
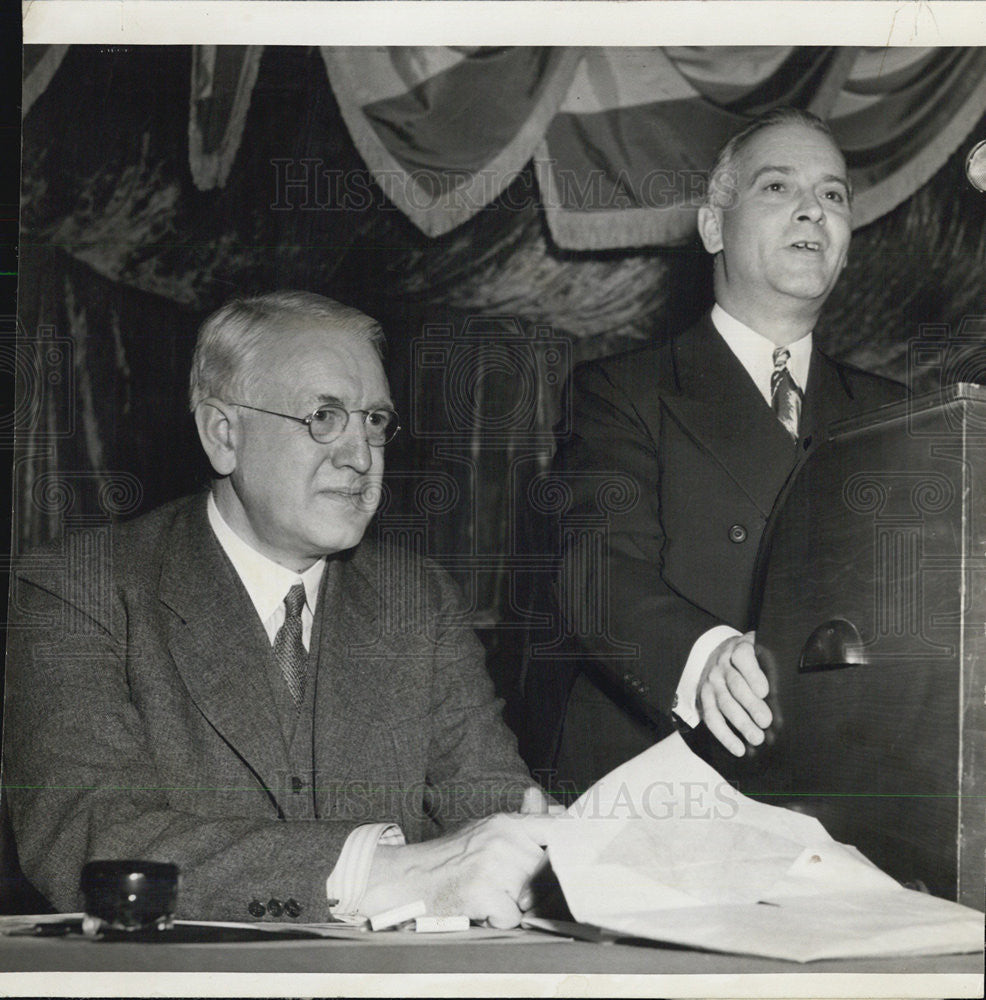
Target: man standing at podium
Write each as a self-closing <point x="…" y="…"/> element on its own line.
<point x="702" y="432"/>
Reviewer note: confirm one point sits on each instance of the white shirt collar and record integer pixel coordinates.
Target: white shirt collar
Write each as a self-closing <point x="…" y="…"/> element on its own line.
<point x="756" y="353"/>
<point x="266" y="581"/>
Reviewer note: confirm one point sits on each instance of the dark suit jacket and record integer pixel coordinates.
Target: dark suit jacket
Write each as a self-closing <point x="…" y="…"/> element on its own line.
<point x="675" y="452"/>
<point x="141" y="724"/>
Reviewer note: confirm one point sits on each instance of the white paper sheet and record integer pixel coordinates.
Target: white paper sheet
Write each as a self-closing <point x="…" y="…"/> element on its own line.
<point x="664" y="848"/>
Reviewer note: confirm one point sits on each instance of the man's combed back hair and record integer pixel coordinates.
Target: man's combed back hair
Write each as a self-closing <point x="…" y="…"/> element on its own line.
<point x="721" y="188"/>
<point x="225" y="362"/>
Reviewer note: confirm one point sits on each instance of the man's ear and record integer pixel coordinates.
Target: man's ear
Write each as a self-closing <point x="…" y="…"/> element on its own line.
<point x="216" y="423"/>
<point x="710" y="227"/>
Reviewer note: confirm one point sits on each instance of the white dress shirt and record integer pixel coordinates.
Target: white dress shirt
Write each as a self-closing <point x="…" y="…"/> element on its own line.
<point x="756" y="354"/>
<point x="267" y="583"/>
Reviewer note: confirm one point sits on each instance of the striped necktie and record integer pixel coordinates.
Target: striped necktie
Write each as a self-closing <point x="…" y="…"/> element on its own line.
<point x="785" y="395"/>
<point x="289" y="649"/>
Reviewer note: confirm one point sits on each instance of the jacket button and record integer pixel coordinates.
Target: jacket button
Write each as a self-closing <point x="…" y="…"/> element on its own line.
<point x="274" y="907"/>
<point x="296" y="784"/>
<point x="292" y="908"/>
<point x="737" y="533"/>
<point x="256" y="908"/>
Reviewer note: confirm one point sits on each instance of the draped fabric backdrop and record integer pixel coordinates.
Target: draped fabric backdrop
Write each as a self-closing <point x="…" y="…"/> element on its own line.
<point x="504" y="212"/>
<point x="621" y="139"/>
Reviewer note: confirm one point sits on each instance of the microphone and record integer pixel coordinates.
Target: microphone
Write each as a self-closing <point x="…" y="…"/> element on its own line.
<point x="975" y="166"/>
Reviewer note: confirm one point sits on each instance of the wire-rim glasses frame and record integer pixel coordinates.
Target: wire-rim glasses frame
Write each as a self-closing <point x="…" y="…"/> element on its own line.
<point x="325" y="431"/>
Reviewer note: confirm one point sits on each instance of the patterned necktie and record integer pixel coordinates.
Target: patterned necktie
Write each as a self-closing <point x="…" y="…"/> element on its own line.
<point x="289" y="650"/>
<point x="785" y="395"/>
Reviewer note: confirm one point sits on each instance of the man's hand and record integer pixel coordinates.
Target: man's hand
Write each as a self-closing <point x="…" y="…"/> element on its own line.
<point x="731" y="691"/>
<point x="483" y="870"/>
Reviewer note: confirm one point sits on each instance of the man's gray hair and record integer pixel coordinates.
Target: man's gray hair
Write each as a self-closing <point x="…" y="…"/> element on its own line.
<point x="225" y="362"/>
<point x="721" y="189"/>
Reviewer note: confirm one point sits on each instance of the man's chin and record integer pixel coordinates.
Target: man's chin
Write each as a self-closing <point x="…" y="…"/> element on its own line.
<point x="341" y="539"/>
<point x="812" y="281"/>
<point x="812" y="288"/>
<point x="343" y="528"/>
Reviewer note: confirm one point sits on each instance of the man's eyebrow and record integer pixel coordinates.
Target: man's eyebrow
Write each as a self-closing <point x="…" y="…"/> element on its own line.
<point x="770" y="169"/>
<point x="787" y="171"/>
<point x="837" y="179"/>
<point x="384" y="404"/>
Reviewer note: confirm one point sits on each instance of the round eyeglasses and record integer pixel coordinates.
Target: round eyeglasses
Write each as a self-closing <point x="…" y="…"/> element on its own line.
<point x="329" y="421"/>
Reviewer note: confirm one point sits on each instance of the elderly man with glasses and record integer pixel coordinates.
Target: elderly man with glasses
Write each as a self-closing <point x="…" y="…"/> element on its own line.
<point x="253" y="694"/>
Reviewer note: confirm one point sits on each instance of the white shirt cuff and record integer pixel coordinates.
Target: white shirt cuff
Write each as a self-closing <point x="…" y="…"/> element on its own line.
<point x="686" y="695"/>
<point x="348" y="880"/>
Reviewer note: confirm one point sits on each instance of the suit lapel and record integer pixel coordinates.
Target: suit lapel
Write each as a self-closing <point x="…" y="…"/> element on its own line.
<point x="347" y="685"/>
<point x="720" y="408"/>
<point x="218" y="645"/>
<point x="826" y="397"/>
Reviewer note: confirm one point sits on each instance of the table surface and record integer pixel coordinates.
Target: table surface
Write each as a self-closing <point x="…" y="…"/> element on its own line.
<point x="538" y="954"/>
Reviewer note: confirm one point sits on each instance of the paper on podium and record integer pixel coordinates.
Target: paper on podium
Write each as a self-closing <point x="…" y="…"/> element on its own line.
<point x="664" y="848"/>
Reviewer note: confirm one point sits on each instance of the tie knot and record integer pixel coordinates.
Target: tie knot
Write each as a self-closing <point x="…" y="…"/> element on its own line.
<point x="781" y="357"/>
<point x="295" y="601"/>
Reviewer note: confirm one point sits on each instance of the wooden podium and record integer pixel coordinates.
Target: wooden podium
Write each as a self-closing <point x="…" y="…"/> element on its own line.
<point x="872" y="626"/>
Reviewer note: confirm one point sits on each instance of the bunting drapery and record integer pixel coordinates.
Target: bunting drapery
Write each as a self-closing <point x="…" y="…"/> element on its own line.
<point x="620" y="138"/>
<point x="622" y="162"/>
<point x="223" y="77"/>
<point x="41" y="63"/>
<point x="445" y="131"/>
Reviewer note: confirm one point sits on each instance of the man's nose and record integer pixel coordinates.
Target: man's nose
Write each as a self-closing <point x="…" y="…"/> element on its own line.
<point x="810" y="208"/>
<point x="351" y="449"/>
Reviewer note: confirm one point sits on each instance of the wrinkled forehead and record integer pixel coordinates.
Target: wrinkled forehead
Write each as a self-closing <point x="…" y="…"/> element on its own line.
<point x="795" y="146"/>
<point x="314" y="353"/>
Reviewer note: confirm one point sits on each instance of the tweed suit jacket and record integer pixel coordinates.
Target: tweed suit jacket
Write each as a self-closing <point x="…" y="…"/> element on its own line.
<point x="141" y="722"/>
<point x="696" y="461"/>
